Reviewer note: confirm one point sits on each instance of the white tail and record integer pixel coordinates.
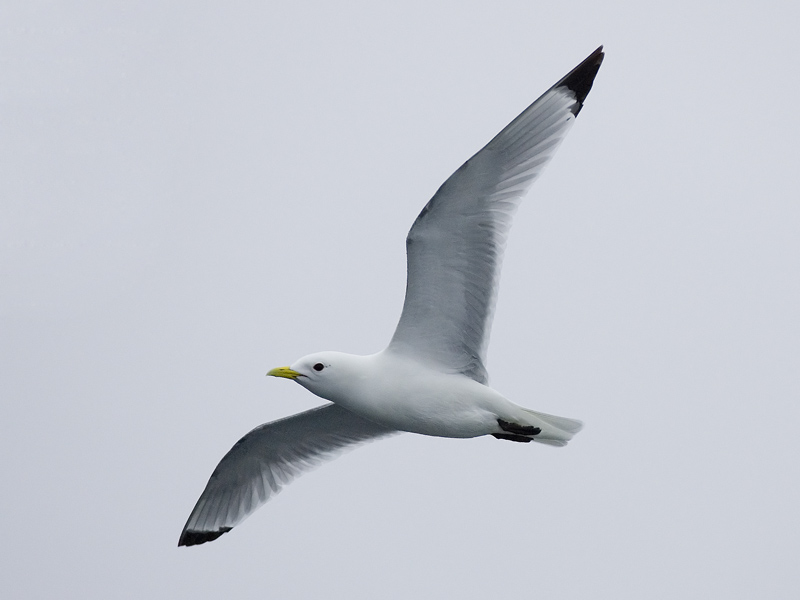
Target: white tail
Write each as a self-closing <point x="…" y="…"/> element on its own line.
<point x="556" y="431"/>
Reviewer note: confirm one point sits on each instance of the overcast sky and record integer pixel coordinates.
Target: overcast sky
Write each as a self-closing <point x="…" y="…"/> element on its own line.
<point x="190" y="196"/>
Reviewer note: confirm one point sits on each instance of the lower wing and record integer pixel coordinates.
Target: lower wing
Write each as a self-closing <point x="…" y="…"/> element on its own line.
<point x="266" y="459"/>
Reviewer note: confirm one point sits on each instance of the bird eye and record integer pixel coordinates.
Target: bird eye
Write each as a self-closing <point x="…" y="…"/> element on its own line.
<point x="319" y="367"/>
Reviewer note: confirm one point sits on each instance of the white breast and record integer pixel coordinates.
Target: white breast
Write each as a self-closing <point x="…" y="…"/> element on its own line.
<point x="404" y="394"/>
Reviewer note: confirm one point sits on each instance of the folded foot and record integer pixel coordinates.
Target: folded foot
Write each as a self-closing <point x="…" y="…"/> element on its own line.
<point x="512" y="437"/>
<point x="518" y="429"/>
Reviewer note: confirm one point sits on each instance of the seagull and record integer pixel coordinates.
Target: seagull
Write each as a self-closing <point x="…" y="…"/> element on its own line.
<point x="431" y="379"/>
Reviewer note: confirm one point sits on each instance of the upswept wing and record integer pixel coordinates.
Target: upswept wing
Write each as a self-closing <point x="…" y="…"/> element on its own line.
<point x="455" y="246"/>
<point x="266" y="459"/>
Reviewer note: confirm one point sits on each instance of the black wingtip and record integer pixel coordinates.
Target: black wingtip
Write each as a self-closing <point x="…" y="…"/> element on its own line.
<point x="580" y="79"/>
<point x="191" y="537"/>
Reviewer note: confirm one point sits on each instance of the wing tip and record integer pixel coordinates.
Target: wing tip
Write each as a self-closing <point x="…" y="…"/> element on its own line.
<point x="579" y="81"/>
<point x="194" y="537"/>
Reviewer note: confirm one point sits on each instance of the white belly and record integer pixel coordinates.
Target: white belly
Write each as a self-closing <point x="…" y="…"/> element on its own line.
<point x="407" y="396"/>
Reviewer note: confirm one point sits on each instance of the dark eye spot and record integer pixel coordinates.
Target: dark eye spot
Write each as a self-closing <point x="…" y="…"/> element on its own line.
<point x="319" y="367"/>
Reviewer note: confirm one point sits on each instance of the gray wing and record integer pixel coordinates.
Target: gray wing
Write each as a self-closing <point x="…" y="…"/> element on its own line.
<point x="455" y="246"/>
<point x="266" y="459"/>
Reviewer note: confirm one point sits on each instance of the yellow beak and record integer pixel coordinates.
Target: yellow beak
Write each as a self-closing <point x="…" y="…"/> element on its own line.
<point x="284" y="372"/>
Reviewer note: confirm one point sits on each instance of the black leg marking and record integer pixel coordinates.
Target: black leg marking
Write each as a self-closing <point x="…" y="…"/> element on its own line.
<point x="518" y="429"/>
<point x="512" y="437"/>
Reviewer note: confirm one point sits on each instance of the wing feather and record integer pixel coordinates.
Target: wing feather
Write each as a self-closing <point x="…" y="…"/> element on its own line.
<point x="455" y="247"/>
<point x="268" y="458"/>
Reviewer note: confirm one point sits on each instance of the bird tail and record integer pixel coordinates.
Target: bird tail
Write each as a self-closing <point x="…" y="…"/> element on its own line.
<point x="556" y="431"/>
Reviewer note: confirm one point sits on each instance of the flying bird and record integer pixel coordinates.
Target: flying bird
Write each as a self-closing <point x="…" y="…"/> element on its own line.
<point x="431" y="379"/>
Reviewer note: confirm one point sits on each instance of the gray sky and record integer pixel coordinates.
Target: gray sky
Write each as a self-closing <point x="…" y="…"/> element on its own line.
<point x="190" y="196"/>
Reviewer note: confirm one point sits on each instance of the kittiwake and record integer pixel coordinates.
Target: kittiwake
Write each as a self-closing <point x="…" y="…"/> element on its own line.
<point x="431" y="378"/>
